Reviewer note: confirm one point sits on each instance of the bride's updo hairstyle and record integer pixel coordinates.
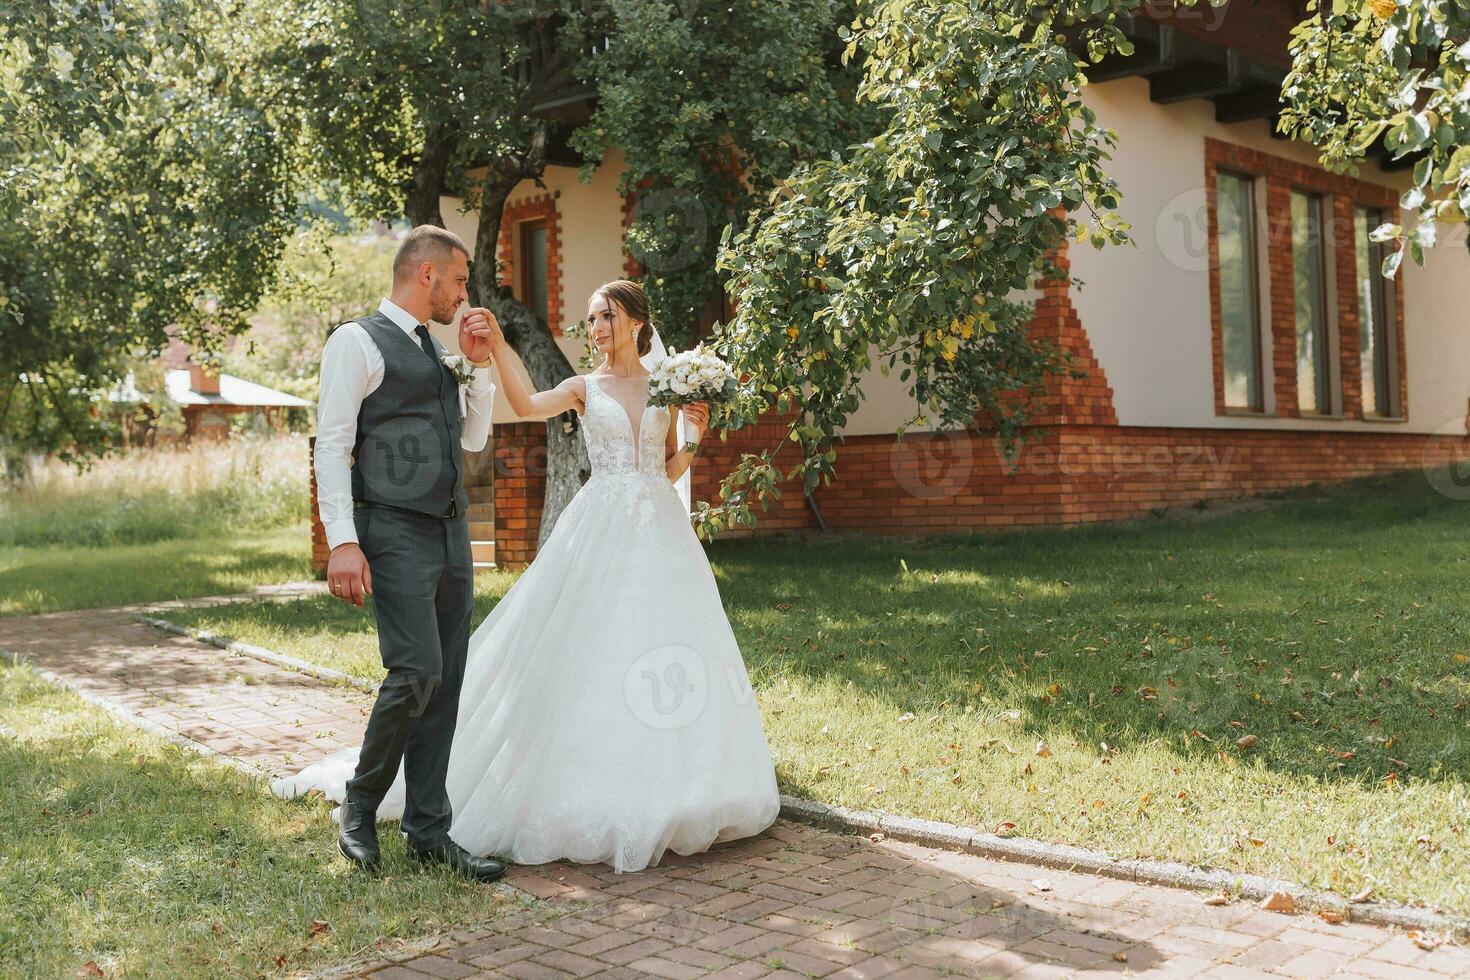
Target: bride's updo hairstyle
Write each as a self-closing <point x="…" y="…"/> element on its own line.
<point x="630" y="298"/>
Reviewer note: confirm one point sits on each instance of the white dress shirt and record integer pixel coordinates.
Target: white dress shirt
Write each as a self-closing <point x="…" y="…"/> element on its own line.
<point x="352" y="369"/>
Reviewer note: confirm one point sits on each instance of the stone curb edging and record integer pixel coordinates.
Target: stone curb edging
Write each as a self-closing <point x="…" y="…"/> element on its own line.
<point x="259" y="653"/>
<point x="947" y="836"/>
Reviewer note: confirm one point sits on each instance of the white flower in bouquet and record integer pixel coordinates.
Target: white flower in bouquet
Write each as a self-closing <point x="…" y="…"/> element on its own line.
<point x="694" y="375"/>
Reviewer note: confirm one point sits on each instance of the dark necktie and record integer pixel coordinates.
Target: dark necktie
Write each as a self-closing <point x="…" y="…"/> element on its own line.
<point x="426" y="342"/>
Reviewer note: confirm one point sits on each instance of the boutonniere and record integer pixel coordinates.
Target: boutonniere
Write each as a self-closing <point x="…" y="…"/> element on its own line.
<point x="460" y="367"/>
<point x="464" y="372"/>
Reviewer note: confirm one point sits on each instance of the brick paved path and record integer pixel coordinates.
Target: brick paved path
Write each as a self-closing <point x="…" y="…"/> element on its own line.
<point x="794" y="902"/>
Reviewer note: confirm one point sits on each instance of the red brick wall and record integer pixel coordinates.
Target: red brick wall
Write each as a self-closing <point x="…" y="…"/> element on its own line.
<point x="319" y="550"/>
<point x="1069" y="400"/>
<point x="520" y="489"/>
<point x="954" y="482"/>
<point x="1088" y="473"/>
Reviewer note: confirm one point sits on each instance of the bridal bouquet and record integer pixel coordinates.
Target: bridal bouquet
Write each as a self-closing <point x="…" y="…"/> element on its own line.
<point x="694" y="375"/>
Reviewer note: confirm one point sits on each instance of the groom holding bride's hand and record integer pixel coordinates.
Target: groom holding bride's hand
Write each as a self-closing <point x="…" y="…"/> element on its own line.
<point x="391" y="425"/>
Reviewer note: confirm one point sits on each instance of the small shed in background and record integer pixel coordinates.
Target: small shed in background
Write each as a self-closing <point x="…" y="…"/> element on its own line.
<point x="208" y="401"/>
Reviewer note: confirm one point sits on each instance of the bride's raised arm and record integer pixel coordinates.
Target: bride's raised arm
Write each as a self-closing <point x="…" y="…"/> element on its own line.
<point x="569" y="395"/>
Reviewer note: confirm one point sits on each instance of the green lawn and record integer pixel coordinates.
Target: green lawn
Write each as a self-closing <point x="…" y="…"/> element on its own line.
<point x="210" y="562"/>
<point x="920" y="676"/>
<point x="123" y="850"/>
<point x="153" y="524"/>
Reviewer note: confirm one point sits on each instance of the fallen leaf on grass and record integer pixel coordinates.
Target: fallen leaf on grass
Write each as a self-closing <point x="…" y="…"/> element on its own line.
<point x="318" y="927"/>
<point x="1279" y="902"/>
<point x="1004" y="828"/>
<point x="1042" y="751"/>
<point x="1246" y="743"/>
<point x="90" y="969"/>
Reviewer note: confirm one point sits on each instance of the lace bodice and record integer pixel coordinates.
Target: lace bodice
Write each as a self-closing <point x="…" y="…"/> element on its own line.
<point x="615" y="444"/>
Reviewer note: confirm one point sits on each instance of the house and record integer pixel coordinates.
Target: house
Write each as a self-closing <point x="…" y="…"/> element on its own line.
<point x="1246" y="344"/>
<point x="206" y="399"/>
<point x="209" y="400"/>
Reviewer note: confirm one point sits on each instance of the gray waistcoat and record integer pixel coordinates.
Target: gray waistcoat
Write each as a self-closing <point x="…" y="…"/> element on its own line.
<point x="407" y="452"/>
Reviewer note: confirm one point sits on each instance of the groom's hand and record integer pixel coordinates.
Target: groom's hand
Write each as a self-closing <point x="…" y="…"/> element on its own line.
<point x="478" y="333"/>
<point x="348" y="576"/>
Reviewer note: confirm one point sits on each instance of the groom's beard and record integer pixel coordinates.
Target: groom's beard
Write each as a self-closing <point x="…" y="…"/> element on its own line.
<point x="441" y="307"/>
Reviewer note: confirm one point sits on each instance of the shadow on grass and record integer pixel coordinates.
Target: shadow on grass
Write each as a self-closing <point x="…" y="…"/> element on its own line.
<point x="144" y="858"/>
<point x="1332" y="627"/>
<point x="34" y="580"/>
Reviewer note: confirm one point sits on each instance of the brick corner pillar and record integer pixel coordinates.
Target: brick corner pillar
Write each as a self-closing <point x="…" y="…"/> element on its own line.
<point x="520" y="491"/>
<point x="319" y="550"/>
<point x="1070" y="401"/>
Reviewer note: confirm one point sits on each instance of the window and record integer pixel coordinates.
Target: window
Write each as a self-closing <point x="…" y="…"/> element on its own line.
<point x="533" y="268"/>
<point x="1239" y="295"/>
<point x="1313" y="385"/>
<point x="1379" y="387"/>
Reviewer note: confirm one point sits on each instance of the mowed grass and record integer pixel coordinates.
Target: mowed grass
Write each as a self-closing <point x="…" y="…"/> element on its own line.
<point x="1281" y="692"/>
<point x="127" y="852"/>
<point x="49" y="579"/>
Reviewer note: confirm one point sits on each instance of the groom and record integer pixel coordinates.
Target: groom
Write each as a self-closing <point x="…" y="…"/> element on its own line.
<point x="392" y="500"/>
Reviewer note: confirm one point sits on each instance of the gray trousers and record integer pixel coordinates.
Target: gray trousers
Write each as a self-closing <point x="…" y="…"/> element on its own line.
<point x="423" y="587"/>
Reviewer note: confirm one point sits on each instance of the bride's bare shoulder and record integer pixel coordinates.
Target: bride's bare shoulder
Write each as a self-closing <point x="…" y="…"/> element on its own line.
<point x="577" y="386"/>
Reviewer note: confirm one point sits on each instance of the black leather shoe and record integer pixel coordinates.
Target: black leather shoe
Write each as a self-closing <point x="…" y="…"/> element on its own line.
<point x="357" y="835"/>
<point x="461" y="860"/>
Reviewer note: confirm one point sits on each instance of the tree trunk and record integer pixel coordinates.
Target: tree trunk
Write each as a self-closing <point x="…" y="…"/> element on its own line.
<point x="567" y="465"/>
<point x="421" y="204"/>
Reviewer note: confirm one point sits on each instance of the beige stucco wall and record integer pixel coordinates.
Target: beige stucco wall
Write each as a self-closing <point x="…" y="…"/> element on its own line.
<point x="1146" y="309"/>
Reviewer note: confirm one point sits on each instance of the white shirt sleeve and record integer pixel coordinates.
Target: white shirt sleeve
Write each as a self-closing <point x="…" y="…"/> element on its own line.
<point x="480" y="402"/>
<point x="352" y="368"/>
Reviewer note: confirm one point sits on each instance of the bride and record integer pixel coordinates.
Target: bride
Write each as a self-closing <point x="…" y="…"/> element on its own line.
<point x="606" y="714"/>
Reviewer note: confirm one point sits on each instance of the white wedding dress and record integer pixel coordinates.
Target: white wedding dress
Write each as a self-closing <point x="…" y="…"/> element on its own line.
<point x="606" y="714"/>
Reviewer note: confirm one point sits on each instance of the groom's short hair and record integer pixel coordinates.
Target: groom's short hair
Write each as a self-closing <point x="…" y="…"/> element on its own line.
<point x="426" y="243"/>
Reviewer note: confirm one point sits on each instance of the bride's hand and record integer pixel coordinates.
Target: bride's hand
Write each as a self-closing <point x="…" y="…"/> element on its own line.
<point x="696" y="415"/>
